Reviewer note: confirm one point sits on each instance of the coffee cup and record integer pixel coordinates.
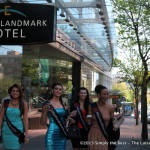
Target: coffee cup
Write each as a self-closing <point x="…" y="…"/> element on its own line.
<point x="89" y="119"/>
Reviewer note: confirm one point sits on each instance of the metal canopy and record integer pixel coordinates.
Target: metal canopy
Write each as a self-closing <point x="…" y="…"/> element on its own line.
<point x="89" y="23"/>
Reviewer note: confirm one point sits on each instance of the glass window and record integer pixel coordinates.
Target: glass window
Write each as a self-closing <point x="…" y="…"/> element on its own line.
<point x="10" y="70"/>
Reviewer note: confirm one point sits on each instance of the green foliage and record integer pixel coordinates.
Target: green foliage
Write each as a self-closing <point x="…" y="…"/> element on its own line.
<point x="124" y="90"/>
<point x="5" y="84"/>
<point x="30" y="69"/>
<point x="132" y="18"/>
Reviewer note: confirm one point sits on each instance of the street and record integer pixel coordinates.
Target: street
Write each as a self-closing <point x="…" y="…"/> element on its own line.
<point x="130" y="138"/>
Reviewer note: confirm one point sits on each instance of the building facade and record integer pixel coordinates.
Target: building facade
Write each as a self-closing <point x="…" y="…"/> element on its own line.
<point x="82" y="54"/>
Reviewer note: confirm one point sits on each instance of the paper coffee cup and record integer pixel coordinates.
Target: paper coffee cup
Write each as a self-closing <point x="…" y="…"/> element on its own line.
<point x="89" y="116"/>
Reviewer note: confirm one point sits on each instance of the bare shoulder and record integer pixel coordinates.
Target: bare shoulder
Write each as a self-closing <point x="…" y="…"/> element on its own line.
<point x="110" y="107"/>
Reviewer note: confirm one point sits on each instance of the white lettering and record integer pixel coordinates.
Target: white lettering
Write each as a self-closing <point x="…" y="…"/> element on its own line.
<point x="7" y="32"/>
<point x="7" y="23"/>
<point x="38" y="22"/>
<point x="2" y="23"/>
<point x="19" y="23"/>
<point x="32" y="23"/>
<point x="21" y="34"/>
<point x="26" y="23"/>
<point x="12" y="33"/>
<point x="1" y="33"/>
<point x="44" y="22"/>
<point x="13" y="23"/>
<point x="15" y="33"/>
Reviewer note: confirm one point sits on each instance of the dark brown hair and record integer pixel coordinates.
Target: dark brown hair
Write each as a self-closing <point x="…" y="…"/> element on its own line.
<point x="87" y="101"/>
<point x="60" y="98"/>
<point x="99" y="88"/>
<point x="21" y="103"/>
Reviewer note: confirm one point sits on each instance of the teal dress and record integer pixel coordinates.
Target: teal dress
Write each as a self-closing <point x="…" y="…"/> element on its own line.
<point x="10" y="141"/>
<point x="55" y="139"/>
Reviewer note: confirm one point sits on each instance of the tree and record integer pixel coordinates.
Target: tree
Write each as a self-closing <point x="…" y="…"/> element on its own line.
<point x="134" y="32"/>
<point x="131" y="72"/>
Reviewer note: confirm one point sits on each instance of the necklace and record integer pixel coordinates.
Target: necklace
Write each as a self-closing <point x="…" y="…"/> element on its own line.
<point x="16" y="104"/>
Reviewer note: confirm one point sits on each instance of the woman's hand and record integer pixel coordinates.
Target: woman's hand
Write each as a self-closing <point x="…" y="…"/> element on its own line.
<point x="89" y="119"/>
<point x="26" y="139"/>
<point x="70" y="121"/>
<point x="73" y="113"/>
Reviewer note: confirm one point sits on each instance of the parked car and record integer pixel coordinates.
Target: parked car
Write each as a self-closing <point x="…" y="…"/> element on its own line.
<point x="148" y="118"/>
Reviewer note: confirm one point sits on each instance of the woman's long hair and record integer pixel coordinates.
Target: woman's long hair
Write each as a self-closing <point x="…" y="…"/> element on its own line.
<point x="60" y="98"/>
<point x="21" y="103"/>
<point x="86" y="101"/>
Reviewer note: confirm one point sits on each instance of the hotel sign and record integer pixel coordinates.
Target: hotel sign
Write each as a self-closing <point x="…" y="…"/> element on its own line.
<point x="22" y="23"/>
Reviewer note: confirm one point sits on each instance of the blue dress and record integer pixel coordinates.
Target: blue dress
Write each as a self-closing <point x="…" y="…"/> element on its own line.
<point x="10" y="141"/>
<point x="55" y="139"/>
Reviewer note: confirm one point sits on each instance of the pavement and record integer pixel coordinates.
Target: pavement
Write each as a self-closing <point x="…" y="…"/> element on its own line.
<point x="130" y="138"/>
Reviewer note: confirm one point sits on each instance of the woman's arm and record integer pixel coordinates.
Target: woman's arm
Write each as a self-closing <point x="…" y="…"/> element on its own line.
<point x="25" y="121"/>
<point x="89" y="110"/>
<point x="89" y="115"/>
<point x="112" y="110"/>
<point x="43" y="119"/>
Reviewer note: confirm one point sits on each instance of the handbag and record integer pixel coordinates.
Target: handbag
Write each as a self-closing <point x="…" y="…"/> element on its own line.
<point x="118" y="121"/>
<point x="114" y="135"/>
<point x="73" y="132"/>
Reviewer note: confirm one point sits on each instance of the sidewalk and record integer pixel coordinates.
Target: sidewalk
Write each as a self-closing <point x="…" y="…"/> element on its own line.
<point x="129" y="139"/>
<point x="37" y="141"/>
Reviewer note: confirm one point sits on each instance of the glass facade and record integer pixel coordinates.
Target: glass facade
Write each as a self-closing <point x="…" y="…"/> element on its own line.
<point x="10" y="67"/>
<point x="35" y="72"/>
<point x="85" y="34"/>
<point x="89" y="77"/>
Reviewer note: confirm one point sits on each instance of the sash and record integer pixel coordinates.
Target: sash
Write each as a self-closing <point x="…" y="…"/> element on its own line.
<point x="13" y="128"/>
<point x="76" y="105"/>
<point x="100" y="120"/>
<point x="57" y="118"/>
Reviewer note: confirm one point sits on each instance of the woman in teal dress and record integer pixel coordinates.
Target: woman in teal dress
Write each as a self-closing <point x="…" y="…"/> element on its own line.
<point x="17" y="113"/>
<point x="54" y="139"/>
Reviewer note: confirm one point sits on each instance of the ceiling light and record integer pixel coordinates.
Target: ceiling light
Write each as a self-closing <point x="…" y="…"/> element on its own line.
<point x="106" y="28"/>
<point x="74" y="28"/>
<point x="101" y="13"/>
<point x="104" y="23"/>
<point x="70" y="24"/>
<point x="62" y="13"/>
<point x="107" y="31"/>
<point x="103" y="18"/>
<point x="98" y="5"/>
<point x="67" y="19"/>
